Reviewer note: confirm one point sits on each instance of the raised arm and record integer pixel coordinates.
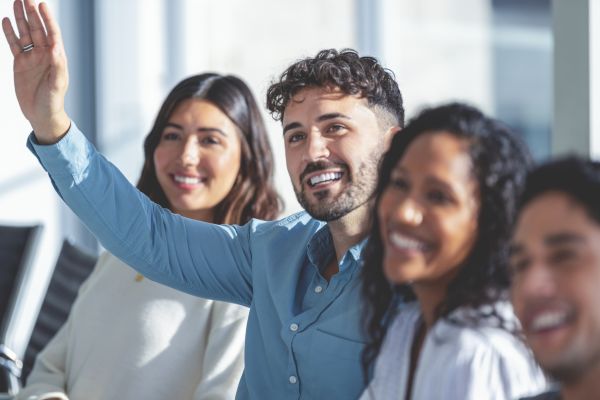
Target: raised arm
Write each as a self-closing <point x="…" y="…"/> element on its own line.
<point x="40" y="69"/>
<point x="199" y="258"/>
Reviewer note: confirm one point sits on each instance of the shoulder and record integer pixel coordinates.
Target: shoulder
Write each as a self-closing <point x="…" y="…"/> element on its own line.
<point x="298" y="223"/>
<point x="488" y="357"/>
<point x="551" y="395"/>
<point x="485" y="341"/>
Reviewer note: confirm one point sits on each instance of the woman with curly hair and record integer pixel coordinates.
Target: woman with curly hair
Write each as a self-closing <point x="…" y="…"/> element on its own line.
<point x="435" y="276"/>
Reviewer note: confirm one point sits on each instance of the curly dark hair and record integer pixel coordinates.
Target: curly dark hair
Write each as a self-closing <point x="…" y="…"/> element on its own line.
<point x="253" y="194"/>
<point x="500" y="162"/>
<point x="575" y="176"/>
<point x="346" y="70"/>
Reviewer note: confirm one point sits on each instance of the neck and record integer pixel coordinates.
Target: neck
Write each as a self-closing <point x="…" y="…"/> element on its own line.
<point x="581" y="389"/>
<point x="349" y="230"/>
<point x="199" y="215"/>
<point x="429" y="297"/>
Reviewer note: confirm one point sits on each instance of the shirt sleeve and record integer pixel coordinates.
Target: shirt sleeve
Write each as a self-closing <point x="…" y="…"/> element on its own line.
<point x="206" y="260"/>
<point x="48" y="378"/>
<point x="223" y="362"/>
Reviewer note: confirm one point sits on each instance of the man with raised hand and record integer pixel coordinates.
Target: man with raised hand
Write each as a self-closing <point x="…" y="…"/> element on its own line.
<point x="555" y="263"/>
<point x="299" y="276"/>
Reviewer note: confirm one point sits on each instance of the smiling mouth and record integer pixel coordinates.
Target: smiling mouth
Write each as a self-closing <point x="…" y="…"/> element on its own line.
<point x="188" y="180"/>
<point x="549" y="321"/>
<point x="324" y="179"/>
<point x="406" y="243"/>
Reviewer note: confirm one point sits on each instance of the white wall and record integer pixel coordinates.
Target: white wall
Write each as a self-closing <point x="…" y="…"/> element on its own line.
<point x="439" y="50"/>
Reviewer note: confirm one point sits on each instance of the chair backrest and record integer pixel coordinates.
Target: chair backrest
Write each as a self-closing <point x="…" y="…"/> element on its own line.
<point x="18" y="245"/>
<point x="72" y="269"/>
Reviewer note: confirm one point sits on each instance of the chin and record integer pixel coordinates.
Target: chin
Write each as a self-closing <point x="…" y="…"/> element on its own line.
<point x="397" y="274"/>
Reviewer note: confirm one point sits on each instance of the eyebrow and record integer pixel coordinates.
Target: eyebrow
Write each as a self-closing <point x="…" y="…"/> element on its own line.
<point x="202" y="129"/>
<point x="562" y="238"/>
<point x="555" y="239"/>
<point x="430" y="180"/>
<point x="320" y="118"/>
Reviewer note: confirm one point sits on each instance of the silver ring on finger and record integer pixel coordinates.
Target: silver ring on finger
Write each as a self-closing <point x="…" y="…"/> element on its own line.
<point x="27" y="47"/>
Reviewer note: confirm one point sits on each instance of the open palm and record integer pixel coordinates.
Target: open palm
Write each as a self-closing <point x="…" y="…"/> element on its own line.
<point x="40" y="72"/>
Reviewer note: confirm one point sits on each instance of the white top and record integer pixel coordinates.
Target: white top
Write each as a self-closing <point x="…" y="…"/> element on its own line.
<point x="455" y="363"/>
<point x="129" y="339"/>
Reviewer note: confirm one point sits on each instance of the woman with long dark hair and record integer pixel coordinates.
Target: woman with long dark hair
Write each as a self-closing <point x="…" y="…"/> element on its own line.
<point x="435" y="271"/>
<point x="207" y="157"/>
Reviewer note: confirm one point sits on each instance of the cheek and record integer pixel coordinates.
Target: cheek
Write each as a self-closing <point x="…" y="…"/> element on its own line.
<point x="515" y="297"/>
<point x="293" y="166"/>
<point x="161" y="158"/>
<point x="458" y="235"/>
<point x="385" y="208"/>
<point x="225" y="166"/>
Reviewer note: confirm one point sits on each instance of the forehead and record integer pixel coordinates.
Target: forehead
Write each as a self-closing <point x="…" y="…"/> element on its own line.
<point x="309" y="103"/>
<point x="438" y="153"/>
<point x="197" y="108"/>
<point x="553" y="213"/>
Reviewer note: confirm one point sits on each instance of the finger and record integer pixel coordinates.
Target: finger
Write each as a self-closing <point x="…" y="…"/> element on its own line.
<point x="52" y="28"/>
<point x="11" y="37"/>
<point x="22" y="24"/>
<point x="36" y="28"/>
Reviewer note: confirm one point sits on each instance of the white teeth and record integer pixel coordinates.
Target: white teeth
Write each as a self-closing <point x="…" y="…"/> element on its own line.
<point x="188" y="180"/>
<point x="329" y="176"/>
<point x="406" y="243"/>
<point x="548" y="320"/>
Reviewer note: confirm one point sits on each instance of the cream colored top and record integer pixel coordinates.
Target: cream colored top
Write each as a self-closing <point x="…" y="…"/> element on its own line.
<point x="136" y="339"/>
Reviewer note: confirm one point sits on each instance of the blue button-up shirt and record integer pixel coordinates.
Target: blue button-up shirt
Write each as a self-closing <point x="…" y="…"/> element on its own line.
<point x="303" y="339"/>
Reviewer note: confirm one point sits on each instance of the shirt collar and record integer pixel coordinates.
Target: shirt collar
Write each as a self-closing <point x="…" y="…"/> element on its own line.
<point x="320" y="249"/>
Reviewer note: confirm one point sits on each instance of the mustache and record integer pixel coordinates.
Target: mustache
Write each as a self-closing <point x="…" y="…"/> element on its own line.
<point x="321" y="166"/>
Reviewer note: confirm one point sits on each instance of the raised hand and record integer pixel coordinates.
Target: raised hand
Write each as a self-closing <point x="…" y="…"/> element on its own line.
<point x="40" y="69"/>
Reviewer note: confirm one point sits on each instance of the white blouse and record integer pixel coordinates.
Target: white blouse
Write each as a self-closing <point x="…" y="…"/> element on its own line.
<point x="456" y="362"/>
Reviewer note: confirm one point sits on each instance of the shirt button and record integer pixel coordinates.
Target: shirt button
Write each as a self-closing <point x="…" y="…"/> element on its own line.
<point x="294" y="328"/>
<point x="293" y="379"/>
<point x="318" y="289"/>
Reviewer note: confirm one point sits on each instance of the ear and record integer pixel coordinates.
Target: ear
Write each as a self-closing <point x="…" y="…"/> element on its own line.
<point x="389" y="135"/>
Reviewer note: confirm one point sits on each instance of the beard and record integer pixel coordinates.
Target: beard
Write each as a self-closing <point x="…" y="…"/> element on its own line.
<point x="574" y="366"/>
<point x="358" y="191"/>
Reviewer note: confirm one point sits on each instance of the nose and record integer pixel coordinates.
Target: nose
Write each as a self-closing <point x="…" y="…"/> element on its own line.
<point x="534" y="285"/>
<point x="537" y="281"/>
<point x="190" y="152"/>
<point x="316" y="147"/>
<point x="409" y="212"/>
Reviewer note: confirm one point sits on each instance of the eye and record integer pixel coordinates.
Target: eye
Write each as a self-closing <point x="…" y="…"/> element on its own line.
<point x="335" y="128"/>
<point x="295" y="137"/>
<point x="399" y="183"/>
<point x="562" y="256"/>
<point x="518" y="265"/>
<point x="170" y="136"/>
<point x="210" y="140"/>
<point x="438" y="197"/>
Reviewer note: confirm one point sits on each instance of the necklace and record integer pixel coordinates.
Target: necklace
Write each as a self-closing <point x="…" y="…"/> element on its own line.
<point x="139" y="277"/>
